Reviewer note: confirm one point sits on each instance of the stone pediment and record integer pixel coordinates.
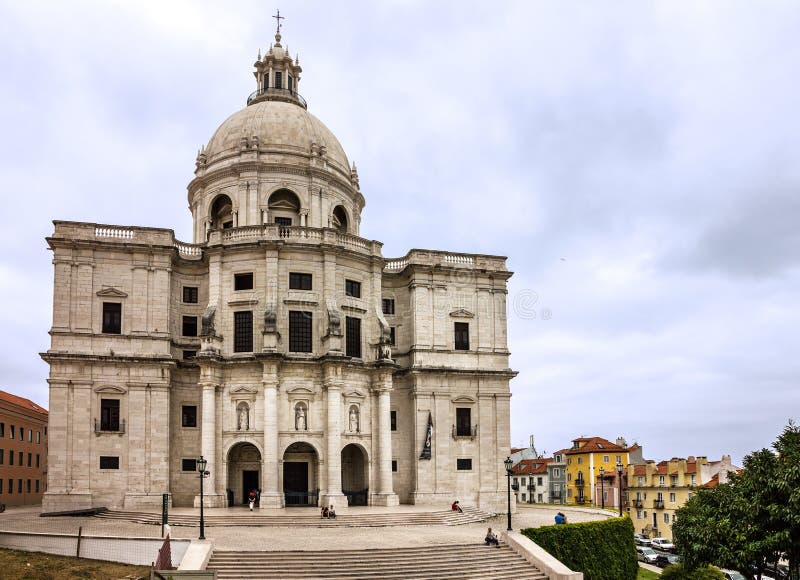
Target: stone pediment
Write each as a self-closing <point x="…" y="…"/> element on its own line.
<point x="111" y="292"/>
<point x="282" y="204"/>
<point x="244" y="390"/>
<point x="354" y="395"/>
<point x="462" y="313"/>
<point x="463" y="399"/>
<point x="304" y="393"/>
<point x="110" y="389"/>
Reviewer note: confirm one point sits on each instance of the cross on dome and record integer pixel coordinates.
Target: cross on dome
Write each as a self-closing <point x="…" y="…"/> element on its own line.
<point x="278" y="17"/>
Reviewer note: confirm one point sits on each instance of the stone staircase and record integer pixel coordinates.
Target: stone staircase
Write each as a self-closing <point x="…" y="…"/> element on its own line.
<point x="307" y="518"/>
<point x="436" y="562"/>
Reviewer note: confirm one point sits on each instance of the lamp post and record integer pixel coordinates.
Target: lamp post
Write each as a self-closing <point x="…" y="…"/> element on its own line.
<point x="602" y="488"/>
<point x="509" y="464"/>
<point x="201" y="469"/>
<point x="619" y="473"/>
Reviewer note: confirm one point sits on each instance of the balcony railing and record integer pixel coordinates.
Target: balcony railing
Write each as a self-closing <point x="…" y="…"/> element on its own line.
<point x="555" y="494"/>
<point x="276" y="94"/>
<point x="638" y="503"/>
<point x="658" y="504"/>
<point x="100" y="428"/>
<point x="580" y="482"/>
<point x="472" y="433"/>
<point x="582" y="500"/>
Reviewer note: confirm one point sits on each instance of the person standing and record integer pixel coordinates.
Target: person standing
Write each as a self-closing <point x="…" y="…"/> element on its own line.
<point x="252" y="499"/>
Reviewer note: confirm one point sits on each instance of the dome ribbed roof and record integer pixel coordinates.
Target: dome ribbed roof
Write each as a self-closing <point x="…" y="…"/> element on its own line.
<point x="280" y="125"/>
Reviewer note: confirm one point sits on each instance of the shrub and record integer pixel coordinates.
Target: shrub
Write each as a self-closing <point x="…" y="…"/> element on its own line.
<point x="602" y="550"/>
<point x="678" y="572"/>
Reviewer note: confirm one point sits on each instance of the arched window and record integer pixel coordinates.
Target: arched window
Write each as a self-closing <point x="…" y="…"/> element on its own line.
<point x="284" y="208"/>
<point x="339" y="219"/>
<point x="222" y="213"/>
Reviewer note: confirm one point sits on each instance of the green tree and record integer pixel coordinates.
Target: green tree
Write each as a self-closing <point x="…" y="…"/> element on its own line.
<point x="753" y="520"/>
<point x="678" y="572"/>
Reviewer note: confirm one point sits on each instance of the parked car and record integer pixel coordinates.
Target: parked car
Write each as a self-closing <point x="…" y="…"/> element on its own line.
<point x="641" y="539"/>
<point x="646" y="555"/>
<point x="662" y="544"/>
<point x="664" y="560"/>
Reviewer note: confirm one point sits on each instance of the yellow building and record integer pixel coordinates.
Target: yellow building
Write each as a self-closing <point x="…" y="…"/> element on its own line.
<point x="656" y="490"/>
<point x="592" y="470"/>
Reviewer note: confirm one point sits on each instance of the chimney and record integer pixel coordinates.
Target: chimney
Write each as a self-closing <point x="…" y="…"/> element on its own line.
<point x="621" y="442"/>
<point x="532" y="446"/>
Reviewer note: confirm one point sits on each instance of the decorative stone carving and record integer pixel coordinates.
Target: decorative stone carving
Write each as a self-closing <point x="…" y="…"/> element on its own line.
<point x="300" y="423"/>
<point x="354" y="419"/>
<point x="385" y="340"/>
<point x="208" y="321"/>
<point x="270" y="319"/>
<point x="243" y="417"/>
<point x="334" y="322"/>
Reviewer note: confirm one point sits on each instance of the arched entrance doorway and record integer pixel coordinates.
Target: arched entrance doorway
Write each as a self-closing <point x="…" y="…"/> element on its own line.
<point x="244" y="471"/>
<point x="355" y="477"/>
<point x="300" y="475"/>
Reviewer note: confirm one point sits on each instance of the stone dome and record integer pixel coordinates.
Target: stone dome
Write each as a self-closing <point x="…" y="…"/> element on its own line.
<point x="280" y="127"/>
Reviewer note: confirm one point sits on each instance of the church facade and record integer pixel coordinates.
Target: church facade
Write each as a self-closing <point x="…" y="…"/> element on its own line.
<point x="280" y="346"/>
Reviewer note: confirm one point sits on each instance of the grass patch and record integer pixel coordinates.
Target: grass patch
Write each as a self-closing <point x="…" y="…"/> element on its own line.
<point x="645" y="574"/>
<point x="39" y="566"/>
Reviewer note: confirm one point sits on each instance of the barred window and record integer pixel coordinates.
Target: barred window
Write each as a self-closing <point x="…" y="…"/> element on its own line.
<point x="189" y="326"/>
<point x="393" y="420"/>
<point x="299" y="281"/>
<point x="464" y="464"/>
<point x="463" y="422"/>
<point x="278" y="80"/>
<point x="388" y="305"/>
<point x="243" y="281"/>
<point x="190" y="294"/>
<point x="352" y="288"/>
<point x="243" y="331"/>
<point x="462" y="335"/>
<point x="353" y="337"/>
<point x="392" y="336"/>
<point x="109" y="414"/>
<point x="109" y="462"/>
<point x="112" y="318"/>
<point x="300" y="331"/>
<point x="189" y="465"/>
<point x="283" y="221"/>
<point x="189" y="416"/>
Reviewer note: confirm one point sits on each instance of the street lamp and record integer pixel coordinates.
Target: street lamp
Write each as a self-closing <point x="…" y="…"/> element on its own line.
<point x="602" y="489"/>
<point x="201" y="469"/>
<point x="619" y="473"/>
<point x="509" y="464"/>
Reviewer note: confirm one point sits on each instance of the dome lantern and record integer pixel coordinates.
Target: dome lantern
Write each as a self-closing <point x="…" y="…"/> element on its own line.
<point x="277" y="75"/>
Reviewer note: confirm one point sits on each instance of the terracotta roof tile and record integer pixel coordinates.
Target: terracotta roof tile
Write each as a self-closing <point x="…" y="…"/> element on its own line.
<point x="594" y="444"/>
<point x="517" y="449"/>
<point x="21" y="402"/>
<point x="531" y="466"/>
<point x="640" y="470"/>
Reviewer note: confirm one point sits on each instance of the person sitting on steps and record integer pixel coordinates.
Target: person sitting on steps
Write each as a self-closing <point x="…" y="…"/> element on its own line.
<point x="324" y="511"/>
<point x="491" y="538"/>
<point x="332" y="513"/>
<point x="456" y="508"/>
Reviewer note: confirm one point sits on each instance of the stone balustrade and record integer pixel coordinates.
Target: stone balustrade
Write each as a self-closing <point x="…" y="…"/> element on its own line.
<point x="434" y="258"/>
<point x="293" y="234"/>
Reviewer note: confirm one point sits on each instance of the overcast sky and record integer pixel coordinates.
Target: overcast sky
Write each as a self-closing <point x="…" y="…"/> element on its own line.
<point x="636" y="161"/>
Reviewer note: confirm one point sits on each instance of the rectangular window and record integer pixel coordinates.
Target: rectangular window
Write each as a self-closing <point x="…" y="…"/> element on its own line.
<point x="556" y="472"/>
<point x="243" y="331"/>
<point x="28" y="487"/>
<point x="299" y="281"/>
<point x="190" y="294"/>
<point x="38" y="437"/>
<point x="112" y="318"/>
<point x="538" y="481"/>
<point x="37" y="486"/>
<point x="300" y="331"/>
<point x="352" y="288"/>
<point x="189" y="326"/>
<point x="10" y="486"/>
<point x="30" y="435"/>
<point x="243" y="281"/>
<point x="189" y="416"/>
<point x="605" y="458"/>
<point x="37" y="460"/>
<point x="388" y="305"/>
<point x="666" y="518"/>
<point x="278" y="80"/>
<point x="12" y="431"/>
<point x="392" y="421"/>
<point x="661" y="480"/>
<point x="464" y="464"/>
<point x="394" y="465"/>
<point x="463" y="421"/>
<point x="19" y="486"/>
<point x="353" y="337"/>
<point x="2" y="452"/>
<point x="462" y="335"/>
<point x="580" y="460"/>
<point x="290" y="80"/>
<point x="22" y="433"/>
<point x="189" y="465"/>
<point x="619" y="459"/>
<point x="392" y="336"/>
<point x="283" y="221"/>
<point x="2" y="429"/>
<point x="11" y="457"/>
<point x="109" y="462"/>
<point x="1" y="486"/>
<point x="188" y="354"/>
<point x="672" y="498"/>
<point x="109" y="414"/>
<point x="20" y="454"/>
<point x="30" y="459"/>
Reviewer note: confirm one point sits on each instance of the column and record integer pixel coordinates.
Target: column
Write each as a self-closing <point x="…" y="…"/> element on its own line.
<point x="208" y="446"/>
<point x="385" y="495"/>
<point x="333" y="436"/>
<point x="271" y="496"/>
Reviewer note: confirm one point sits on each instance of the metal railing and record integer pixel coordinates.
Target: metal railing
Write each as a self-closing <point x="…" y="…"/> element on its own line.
<point x="473" y="432"/>
<point x="638" y="503"/>
<point x="100" y="428"/>
<point x="276" y="94"/>
<point x="300" y="498"/>
<point x="658" y="504"/>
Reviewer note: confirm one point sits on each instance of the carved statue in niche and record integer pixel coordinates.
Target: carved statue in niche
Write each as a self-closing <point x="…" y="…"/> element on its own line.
<point x="270" y="319"/>
<point x="208" y="321"/>
<point x="334" y="322"/>
<point x="243" y="417"/>
<point x="385" y="340"/>
<point x="300" y="418"/>
<point x="354" y="419"/>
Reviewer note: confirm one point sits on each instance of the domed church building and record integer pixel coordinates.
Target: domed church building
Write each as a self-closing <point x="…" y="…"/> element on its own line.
<point x="280" y="346"/>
